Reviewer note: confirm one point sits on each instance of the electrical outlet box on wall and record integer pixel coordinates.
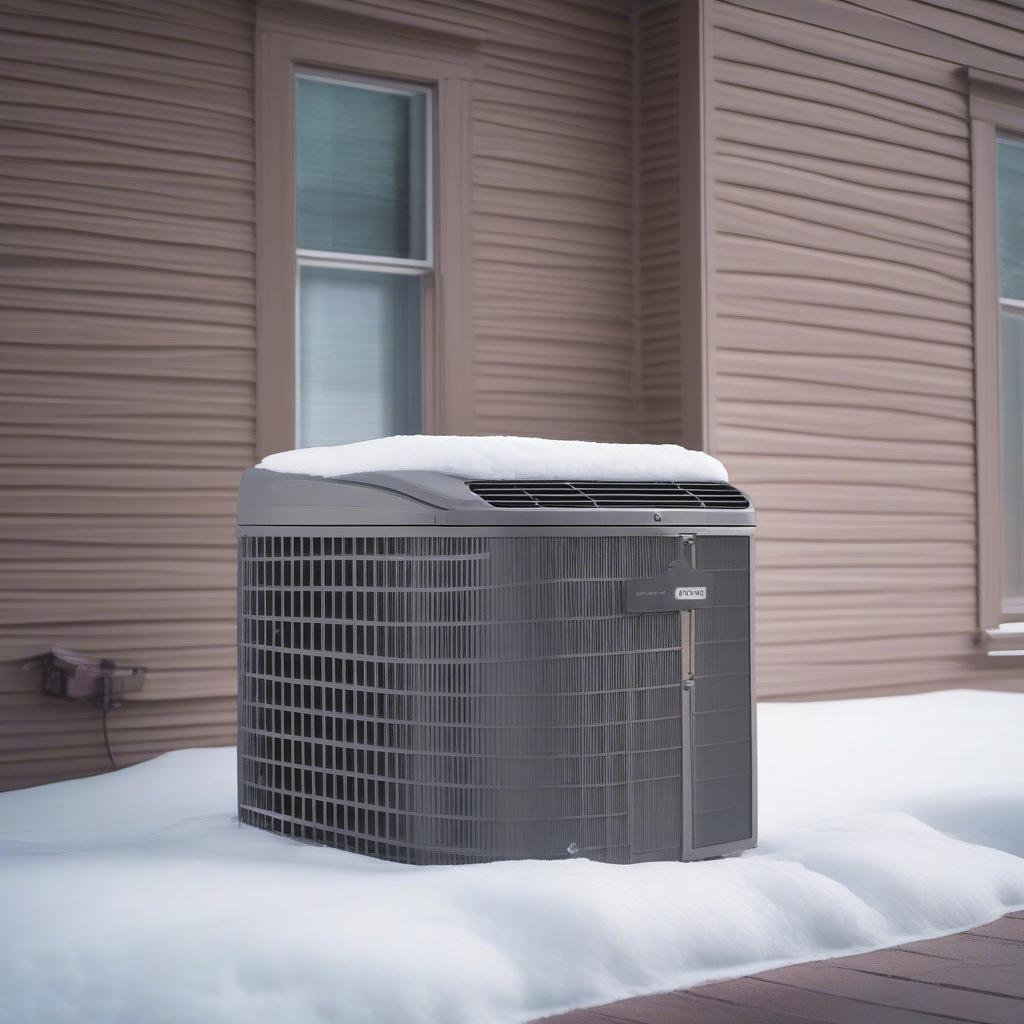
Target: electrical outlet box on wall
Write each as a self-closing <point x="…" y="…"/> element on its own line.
<point x="69" y="674"/>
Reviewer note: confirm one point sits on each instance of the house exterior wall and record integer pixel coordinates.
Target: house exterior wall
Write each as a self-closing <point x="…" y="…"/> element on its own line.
<point x="743" y="224"/>
<point x="128" y="363"/>
<point x="841" y="383"/>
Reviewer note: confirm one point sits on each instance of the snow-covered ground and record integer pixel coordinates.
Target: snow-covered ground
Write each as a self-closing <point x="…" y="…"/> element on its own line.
<point x="135" y="897"/>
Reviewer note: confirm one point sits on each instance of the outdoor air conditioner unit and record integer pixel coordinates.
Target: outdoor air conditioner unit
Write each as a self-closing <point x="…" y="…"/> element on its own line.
<point x="436" y="670"/>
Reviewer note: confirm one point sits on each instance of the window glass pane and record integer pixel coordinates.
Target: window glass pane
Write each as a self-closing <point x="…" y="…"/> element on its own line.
<point x="359" y="355"/>
<point x="361" y="180"/>
<point x="1012" y="387"/>
<point x="1010" y="195"/>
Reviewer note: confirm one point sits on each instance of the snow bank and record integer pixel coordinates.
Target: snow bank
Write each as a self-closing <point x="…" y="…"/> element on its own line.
<point x="135" y="898"/>
<point x="504" y="458"/>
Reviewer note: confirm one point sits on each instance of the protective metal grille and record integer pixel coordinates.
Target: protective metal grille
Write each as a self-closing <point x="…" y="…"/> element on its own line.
<point x="662" y="494"/>
<point x="722" y="738"/>
<point x="456" y="699"/>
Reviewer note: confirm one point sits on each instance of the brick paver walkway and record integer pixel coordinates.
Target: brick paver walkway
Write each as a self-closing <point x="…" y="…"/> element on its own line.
<point x="975" y="976"/>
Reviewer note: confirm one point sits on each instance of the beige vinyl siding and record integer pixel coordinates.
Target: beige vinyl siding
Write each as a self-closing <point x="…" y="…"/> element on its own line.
<point x="843" y="387"/>
<point x="128" y="334"/>
<point x="552" y="213"/>
<point x="552" y="229"/>
<point x="658" y="221"/>
<point x="127" y="367"/>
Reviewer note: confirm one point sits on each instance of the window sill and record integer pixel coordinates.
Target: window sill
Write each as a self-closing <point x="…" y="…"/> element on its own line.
<point x="1005" y="641"/>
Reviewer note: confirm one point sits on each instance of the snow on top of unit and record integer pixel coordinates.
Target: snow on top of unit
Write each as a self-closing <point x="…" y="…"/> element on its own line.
<point x="503" y="458"/>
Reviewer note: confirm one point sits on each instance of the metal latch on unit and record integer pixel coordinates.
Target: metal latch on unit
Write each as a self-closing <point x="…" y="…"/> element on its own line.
<point x="690" y="646"/>
<point x="680" y="588"/>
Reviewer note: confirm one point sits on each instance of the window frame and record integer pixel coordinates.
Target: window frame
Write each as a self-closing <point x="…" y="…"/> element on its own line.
<point x="996" y="104"/>
<point x="303" y="40"/>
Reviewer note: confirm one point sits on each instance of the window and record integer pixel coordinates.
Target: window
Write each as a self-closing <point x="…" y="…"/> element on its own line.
<point x="1010" y="233"/>
<point x="364" y="239"/>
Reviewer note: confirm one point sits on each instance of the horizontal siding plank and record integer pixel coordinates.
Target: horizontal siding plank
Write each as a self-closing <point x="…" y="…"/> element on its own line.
<point x="836" y="317"/>
<point x="752" y="439"/>
<point x="838" y="526"/>
<point x="852" y="372"/>
<point x="841" y="294"/>
<point x="828" y="496"/>
<point x="103" y="501"/>
<point x="906" y="481"/>
<point x="102" y="330"/>
<point x="208" y="363"/>
<point x="866" y="550"/>
<point x="129" y="638"/>
<point x="841" y="652"/>
<point x="752" y="335"/>
<point x="927" y="623"/>
<point x="37" y="451"/>
<point x="94" y="300"/>
<point x="768" y="390"/>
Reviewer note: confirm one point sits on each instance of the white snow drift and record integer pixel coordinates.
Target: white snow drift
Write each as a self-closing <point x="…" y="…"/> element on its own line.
<point x="504" y="458"/>
<point x="136" y="898"/>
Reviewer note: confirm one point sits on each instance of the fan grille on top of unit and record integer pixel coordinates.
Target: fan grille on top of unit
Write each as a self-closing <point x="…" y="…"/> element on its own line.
<point x="607" y="494"/>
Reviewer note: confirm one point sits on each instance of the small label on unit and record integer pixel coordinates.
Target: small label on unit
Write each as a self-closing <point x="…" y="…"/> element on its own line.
<point x="676" y="589"/>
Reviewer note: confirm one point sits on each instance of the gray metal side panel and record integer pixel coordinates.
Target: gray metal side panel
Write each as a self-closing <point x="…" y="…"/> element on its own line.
<point x="721" y="718"/>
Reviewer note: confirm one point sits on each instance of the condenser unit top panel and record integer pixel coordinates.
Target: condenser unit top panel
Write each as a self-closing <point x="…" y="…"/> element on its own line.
<point x="422" y="498"/>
